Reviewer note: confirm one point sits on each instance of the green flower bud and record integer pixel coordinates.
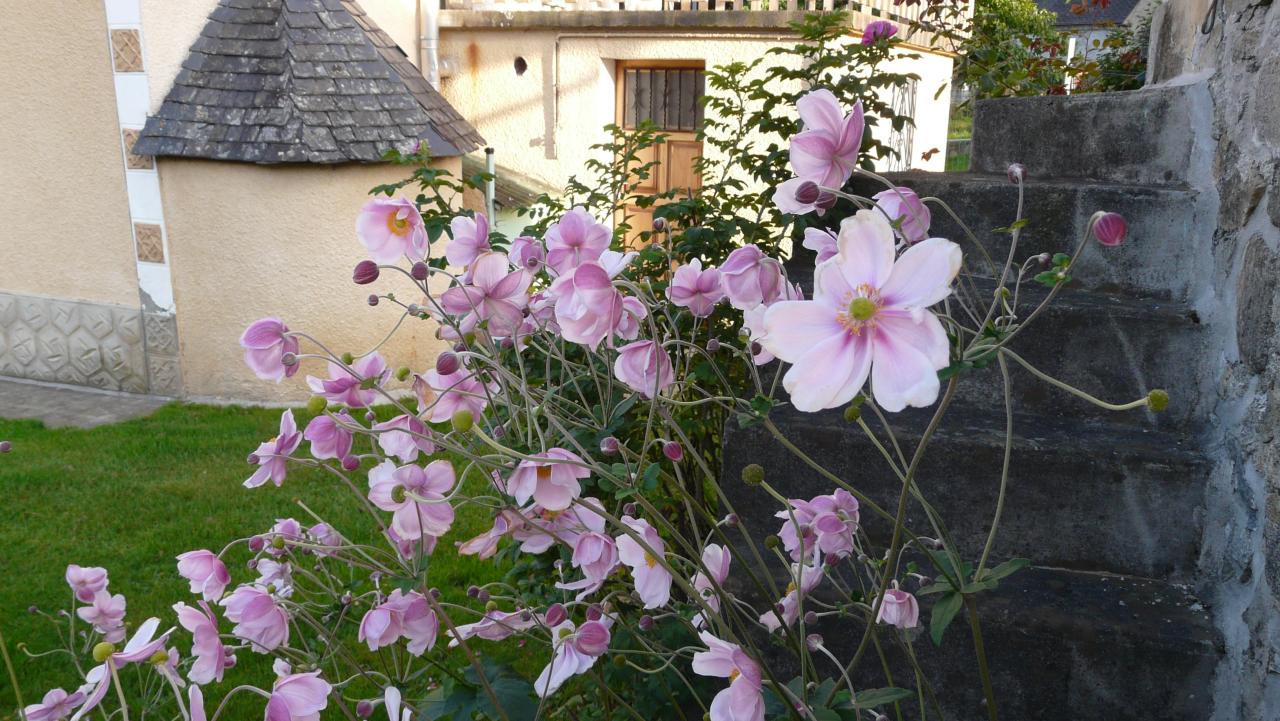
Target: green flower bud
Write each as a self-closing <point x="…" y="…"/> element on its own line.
<point x="753" y="474"/>
<point x="771" y="541"/>
<point x="619" y="660"/>
<point x="852" y="413"/>
<point x="103" y="650"/>
<point x="277" y="542"/>
<point x="348" y="359"/>
<point x="159" y="658"/>
<point x="1158" y="400"/>
<point x="491" y="606"/>
<point x="317" y="404"/>
<point x="463" y="421"/>
<point x="403" y="373"/>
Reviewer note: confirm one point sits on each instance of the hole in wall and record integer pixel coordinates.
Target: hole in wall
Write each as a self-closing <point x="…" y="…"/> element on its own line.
<point x="521" y="65"/>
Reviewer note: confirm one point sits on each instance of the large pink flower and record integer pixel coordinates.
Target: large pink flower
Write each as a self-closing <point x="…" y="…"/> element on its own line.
<point x="212" y="658"/>
<point x="86" y="582"/>
<point x="906" y="211"/>
<point x="265" y="342"/>
<point x="899" y="608"/>
<point x="743" y="700"/>
<point x="347" y="386"/>
<point x="495" y="294"/>
<point x="644" y="367"/>
<point x="106" y="615"/>
<point x="588" y="307"/>
<point x="750" y="277"/>
<point x="444" y="394"/>
<point x="406" y="615"/>
<point x="404" y="437"/>
<point x="298" y="697"/>
<point x="330" y="436"/>
<point x="696" y="289"/>
<point x="594" y="552"/>
<point x="470" y="239"/>
<point x="415" y="496"/>
<point x="652" y="579"/>
<point x="551" y="482"/>
<point x="206" y="573"/>
<point x="869" y="316"/>
<point x="574" y="651"/>
<point x="826" y="150"/>
<point x="259" y="620"/>
<point x="390" y="228"/>
<point x="575" y="239"/>
<point x="271" y="454"/>
<point x="54" y="706"/>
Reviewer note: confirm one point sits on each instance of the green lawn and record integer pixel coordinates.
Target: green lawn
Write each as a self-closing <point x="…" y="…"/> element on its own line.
<point x="957" y="163"/>
<point x="131" y="496"/>
<point x="961" y="125"/>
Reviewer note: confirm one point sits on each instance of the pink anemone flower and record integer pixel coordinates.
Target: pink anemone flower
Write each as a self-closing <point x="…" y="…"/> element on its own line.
<point x="652" y="579"/>
<point x="495" y="294"/>
<point x="869" y="317"/>
<point x="551" y="481"/>
<point x="452" y="392"/>
<point x="106" y="615"/>
<point x="527" y="254"/>
<point x="141" y="647"/>
<point x="696" y="289"/>
<point x="906" y="211"/>
<point x="715" y="560"/>
<point x="644" y="367"/>
<point x="574" y="651"/>
<point x="212" y="658"/>
<point x="404" y="437"/>
<point x="86" y="582"/>
<point x="258" y="618"/>
<point x="878" y="30"/>
<point x="401" y="615"/>
<point x="206" y="573"/>
<point x="575" y="239"/>
<point x="588" y="307"/>
<point x="826" y="150"/>
<point x="265" y="342"/>
<point x="743" y="700"/>
<point x="495" y="626"/>
<point x="330" y="435"/>
<point x="298" y="697"/>
<point x="750" y="278"/>
<point x="415" y="496"/>
<point x="899" y="608"/>
<point x="271" y="454"/>
<point x="54" y="706"/>
<point x="470" y="239"/>
<point x="347" y="386"/>
<point x="391" y="228"/>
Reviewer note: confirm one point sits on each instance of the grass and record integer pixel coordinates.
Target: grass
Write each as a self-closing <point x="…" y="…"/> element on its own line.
<point x="957" y="163"/>
<point x="131" y="496"/>
<point x="960" y="126"/>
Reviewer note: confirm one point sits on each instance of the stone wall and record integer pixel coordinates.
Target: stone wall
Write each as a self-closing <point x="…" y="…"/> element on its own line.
<point x="1239" y="61"/>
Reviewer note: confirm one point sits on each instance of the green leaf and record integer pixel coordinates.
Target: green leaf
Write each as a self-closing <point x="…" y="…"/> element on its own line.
<point x="455" y="701"/>
<point x="944" y="611"/>
<point x="1004" y="569"/>
<point x="872" y="698"/>
<point x="1061" y="260"/>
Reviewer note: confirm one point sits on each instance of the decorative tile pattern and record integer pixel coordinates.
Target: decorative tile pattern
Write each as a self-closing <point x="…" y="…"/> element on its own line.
<point x="126" y="50"/>
<point x="71" y="342"/>
<point x="131" y="161"/>
<point x="150" y="240"/>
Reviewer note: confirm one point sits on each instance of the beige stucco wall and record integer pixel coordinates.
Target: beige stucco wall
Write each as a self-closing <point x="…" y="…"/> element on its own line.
<point x="66" y="231"/>
<point x="250" y="241"/>
<point x="543" y="122"/>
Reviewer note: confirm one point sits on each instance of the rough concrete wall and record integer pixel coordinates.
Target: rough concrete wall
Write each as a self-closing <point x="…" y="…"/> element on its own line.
<point x="66" y="230"/>
<point x="1240" y="565"/>
<point x="251" y="241"/>
<point x="543" y="122"/>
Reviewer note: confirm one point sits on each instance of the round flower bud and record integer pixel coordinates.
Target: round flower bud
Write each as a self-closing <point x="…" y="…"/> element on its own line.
<point x="731" y="520"/>
<point x="813" y="641"/>
<point x="673" y="451"/>
<point x="771" y="541"/>
<point x="473" y="591"/>
<point x="413" y="309"/>
<point x="364" y="709"/>
<point x="629" y="509"/>
<point x="402" y="373"/>
<point x="1158" y="400"/>
<point x="490" y="606"/>
<point x="1110" y="229"/>
<point x="366" y="271"/>
<point x="370" y="416"/>
<point x="277" y="542"/>
<point x="609" y="446"/>
<point x="447" y="363"/>
<point x="251" y="564"/>
<point x="756" y="348"/>
<point x="459" y="347"/>
<point x="288" y="359"/>
<point x="33" y="609"/>
<point x="594" y="612"/>
<point x="350" y="463"/>
<point x="419" y="271"/>
<point x="347" y="599"/>
<point x="525" y="615"/>
<point x="713" y="345"/>
<point x="483" y="596"/>
<point x="158" y="658"/>
<point x="556" y="614"/>
<point x="5" y="446"/>
<point x="810" y="618"/>
<point x="826" y="201"/>
<point x="103" y="650"/>
<point x="646" y="623"/>
<point x="463" y="421"/>
<point x="257" y="543"/>
<point x="317" y="404"/>
<point x="1044" y="258"/>
<point x="619" y="660"/>
<point x="373" y="299"/>
<point x="753" y="474"/>
<point x="1017" y="173"/>
<point x="435" y="593"/>
<point x="807" y="193"/>
<point x="660" y="225"/>
<point x="347" y="359"/>
<point x="852" y="413"/>
<point x="399" y="494"/>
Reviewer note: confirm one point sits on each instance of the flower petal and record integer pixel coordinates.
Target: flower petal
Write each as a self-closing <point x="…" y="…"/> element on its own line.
<point x="829" y="374"/>
<point x="901" y="375"/>
<point x="793" y="327"/>
<point x="923" y="275"/>
<point x="865" y="248"/>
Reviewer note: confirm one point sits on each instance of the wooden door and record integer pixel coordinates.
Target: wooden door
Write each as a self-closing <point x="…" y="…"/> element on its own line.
<point x="665" y="92"/>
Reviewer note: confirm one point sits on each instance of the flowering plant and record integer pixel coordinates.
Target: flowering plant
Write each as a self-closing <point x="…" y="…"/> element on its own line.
<point x="554" y="344"/>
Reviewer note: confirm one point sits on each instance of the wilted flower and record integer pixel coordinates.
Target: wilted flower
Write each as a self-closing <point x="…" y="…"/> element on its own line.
<point x="390" y="228"/>
<point x="868" y="317"/>
<point x="265" y="342"/>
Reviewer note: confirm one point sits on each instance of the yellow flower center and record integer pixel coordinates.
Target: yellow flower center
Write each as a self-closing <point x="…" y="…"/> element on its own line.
<point x="650" y="560"/>
<point x="544" y="473"/>
<point x="860" y="310"/>
<point x="396" y="224"/>
<point x="734" y="674"/>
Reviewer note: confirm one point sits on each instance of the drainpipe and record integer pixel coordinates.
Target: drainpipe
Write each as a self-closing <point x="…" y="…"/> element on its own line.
<point x="490" y="185"/>
<point x="429" y="41"/>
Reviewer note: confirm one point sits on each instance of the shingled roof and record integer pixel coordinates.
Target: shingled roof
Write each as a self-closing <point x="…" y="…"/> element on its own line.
<point x="1115" y="13"/>
<point x="300" y="81"/>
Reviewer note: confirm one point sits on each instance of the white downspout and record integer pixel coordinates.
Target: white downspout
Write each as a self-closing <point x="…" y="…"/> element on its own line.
<point x="429" y="41"/>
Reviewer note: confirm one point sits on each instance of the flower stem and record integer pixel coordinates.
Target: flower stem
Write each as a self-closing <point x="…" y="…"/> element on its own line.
<point x="987" y="690"/>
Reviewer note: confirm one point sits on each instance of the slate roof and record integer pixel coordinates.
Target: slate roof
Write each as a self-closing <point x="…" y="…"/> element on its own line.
<point x="1116" y="12"/>
<point x="300" y="81"/>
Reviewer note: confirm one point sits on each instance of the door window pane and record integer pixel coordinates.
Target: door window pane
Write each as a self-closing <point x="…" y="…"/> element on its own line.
<point x="667" y="97"/>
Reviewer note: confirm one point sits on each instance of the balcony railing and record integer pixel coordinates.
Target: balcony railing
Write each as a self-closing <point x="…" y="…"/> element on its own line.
<point x="887" y="9"/>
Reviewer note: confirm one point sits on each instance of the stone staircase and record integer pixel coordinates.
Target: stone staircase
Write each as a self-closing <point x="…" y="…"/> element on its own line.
<point x="1109" y="506"/>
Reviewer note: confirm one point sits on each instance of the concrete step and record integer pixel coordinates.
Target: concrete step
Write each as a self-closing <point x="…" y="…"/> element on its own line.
<point x="1116" y="348"/>
<point x="1143" y="136"/>
<point x="1160" y="257"/>
<point x="1081" y="494"/>
<point x="1062" y="646"/>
